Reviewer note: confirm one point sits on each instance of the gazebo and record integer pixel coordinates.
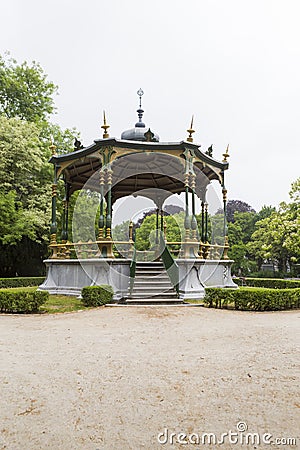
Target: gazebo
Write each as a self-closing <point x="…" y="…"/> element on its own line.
<point x="138" y="164"/>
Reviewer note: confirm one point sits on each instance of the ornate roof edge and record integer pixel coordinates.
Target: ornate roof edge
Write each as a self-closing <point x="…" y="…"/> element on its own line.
<point x="135" y="145"/>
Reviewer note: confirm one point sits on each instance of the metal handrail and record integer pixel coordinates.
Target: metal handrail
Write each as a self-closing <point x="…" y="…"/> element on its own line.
<point x="132" y="270"/>
<point x="170" y="264"/>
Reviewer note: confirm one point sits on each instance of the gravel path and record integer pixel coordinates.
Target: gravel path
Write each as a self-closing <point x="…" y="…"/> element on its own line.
<point x="113" y="378"/>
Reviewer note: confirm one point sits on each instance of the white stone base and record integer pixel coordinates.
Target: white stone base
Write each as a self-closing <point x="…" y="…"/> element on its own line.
<point x="69" y="276"/>
<point x="197" y="274"/>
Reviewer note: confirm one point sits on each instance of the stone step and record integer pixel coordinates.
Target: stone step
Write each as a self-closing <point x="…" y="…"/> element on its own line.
<point x="152" y="280"/>
<point x="150" y="263"/>
<point x="154" y="301"/>
<point x="152" y="285"/>
<point x="156" y="295"/>
<point x="151" y="274"/>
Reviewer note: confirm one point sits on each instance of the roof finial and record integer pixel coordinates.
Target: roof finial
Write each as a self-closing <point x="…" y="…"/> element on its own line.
<point x="226" y="154"/>
<point x="52" y="147"/>
<point x="140" y="111"/>
<point x="105" y="127"/>
<point x="191" y="131"/>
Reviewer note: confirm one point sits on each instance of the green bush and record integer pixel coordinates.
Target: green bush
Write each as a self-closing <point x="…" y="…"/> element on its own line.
<point x="253" y="299"/>
<point x="20" y="282"/>
<point x="272" y="283"/>
<point x="22" y="301"/>
<point x="267" y="274"/>
<point x="97" y="295"/>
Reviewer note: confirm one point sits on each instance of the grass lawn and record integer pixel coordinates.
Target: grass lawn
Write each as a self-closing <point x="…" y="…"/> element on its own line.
<point x="61" y="304"/>
<point x="56" y="303"/>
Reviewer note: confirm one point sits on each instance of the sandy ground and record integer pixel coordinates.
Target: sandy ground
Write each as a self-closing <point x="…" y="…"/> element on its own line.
<point x="114" y="378"/>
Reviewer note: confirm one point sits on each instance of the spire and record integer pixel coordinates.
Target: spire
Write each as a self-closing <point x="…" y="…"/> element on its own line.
<point x="105" y="127"/>
<point x="52" y="147"/>
<point x="140" y="111"/>
<point x="226" y="155"/>
<point x="191" y="131"/>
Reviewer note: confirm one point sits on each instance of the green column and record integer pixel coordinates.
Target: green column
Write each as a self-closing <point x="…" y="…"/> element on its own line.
<point x="194" y="220"/>
<point x="65" y="221"/>
<point x="109" y="205"/>
<point x="67" y="212"/>
<point x="53" y="229"/>
<point x="162" y="220"/>
<point x="206" y="223"/>
<point x="187" y="221"/>
<point x="101" y="215"/>
<point x="156" y="238"/>
<point x="224" y="192"/>
<point x="202" y="222"/>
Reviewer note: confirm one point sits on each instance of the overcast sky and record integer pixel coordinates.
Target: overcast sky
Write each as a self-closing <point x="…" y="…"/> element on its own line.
<point x="234" y="64"/>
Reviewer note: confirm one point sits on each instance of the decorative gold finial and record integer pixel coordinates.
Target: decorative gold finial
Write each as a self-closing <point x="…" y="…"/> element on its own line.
<point x="191" y="131"/>
<point x="105" y="127"/>
<point x="52" y="147"/>
<point x="226" y="154"/>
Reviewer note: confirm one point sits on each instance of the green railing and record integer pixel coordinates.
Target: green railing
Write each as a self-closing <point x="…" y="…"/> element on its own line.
<point x="170" y="264"/>
<point x="132" y="270"/>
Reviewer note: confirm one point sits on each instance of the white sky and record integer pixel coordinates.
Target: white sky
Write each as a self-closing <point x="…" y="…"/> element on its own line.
<point x="234" y="64"/>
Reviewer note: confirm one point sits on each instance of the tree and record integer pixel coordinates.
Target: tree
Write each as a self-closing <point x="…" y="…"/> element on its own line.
<point x="167" y="210"/>
<point x="276" y="238"/>
<point x="26" y="101"/>
<point x="267" y="241"/>
<point x="25" y="91"/>
<point x="235" y="206"/>
<point x="240" y="233"/>
<point x="146" y="234"/>
<point x="121" y="231"/>
<point x="13" y="224"/>
<point x="83" y="216"/>
<point x="24" y="169"/>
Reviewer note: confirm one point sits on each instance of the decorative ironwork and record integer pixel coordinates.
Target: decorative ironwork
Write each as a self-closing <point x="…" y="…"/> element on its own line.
<point x="209" y="151"/>
<point x="226" y="155"/>
<point x="105" y="127"/>
<point x="190" y="131"/>
<point x="77" y="145"/>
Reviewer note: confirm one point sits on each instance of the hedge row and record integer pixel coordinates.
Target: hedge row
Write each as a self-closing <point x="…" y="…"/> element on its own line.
<point x="20" y="282"/>
<point x="272" y="283"/>
<point x="22" y="302"/>
<point x="97" y="295"/>
<point x="253" y="299"/>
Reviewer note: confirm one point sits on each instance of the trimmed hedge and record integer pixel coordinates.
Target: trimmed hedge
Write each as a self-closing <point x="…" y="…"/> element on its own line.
<point x="253" y="299"/>
<point x="22" y="301"/>
<point x="20" y="282"/>
<point x="272" y="283"/>
<point x="97" y="295"/>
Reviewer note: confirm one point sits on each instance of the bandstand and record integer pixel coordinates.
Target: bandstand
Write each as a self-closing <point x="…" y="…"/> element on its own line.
<point x="138" y="164"/>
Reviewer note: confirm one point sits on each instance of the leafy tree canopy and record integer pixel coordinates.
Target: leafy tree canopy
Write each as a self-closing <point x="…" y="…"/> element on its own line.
<point x="234" y="206"/>
<point x="26" y="102"/>
<point x="25" y="91"/>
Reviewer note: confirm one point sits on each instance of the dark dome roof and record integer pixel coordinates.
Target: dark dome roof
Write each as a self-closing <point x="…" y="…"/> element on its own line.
<point x="138" y="134"/>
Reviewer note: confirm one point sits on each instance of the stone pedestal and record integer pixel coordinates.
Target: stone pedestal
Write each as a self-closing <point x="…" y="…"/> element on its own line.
<point x="69" y="276"/>
<point x="196" y="275"/>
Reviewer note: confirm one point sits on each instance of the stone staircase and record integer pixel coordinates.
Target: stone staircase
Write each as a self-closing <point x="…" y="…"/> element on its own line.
<point x="152" y="285"/>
